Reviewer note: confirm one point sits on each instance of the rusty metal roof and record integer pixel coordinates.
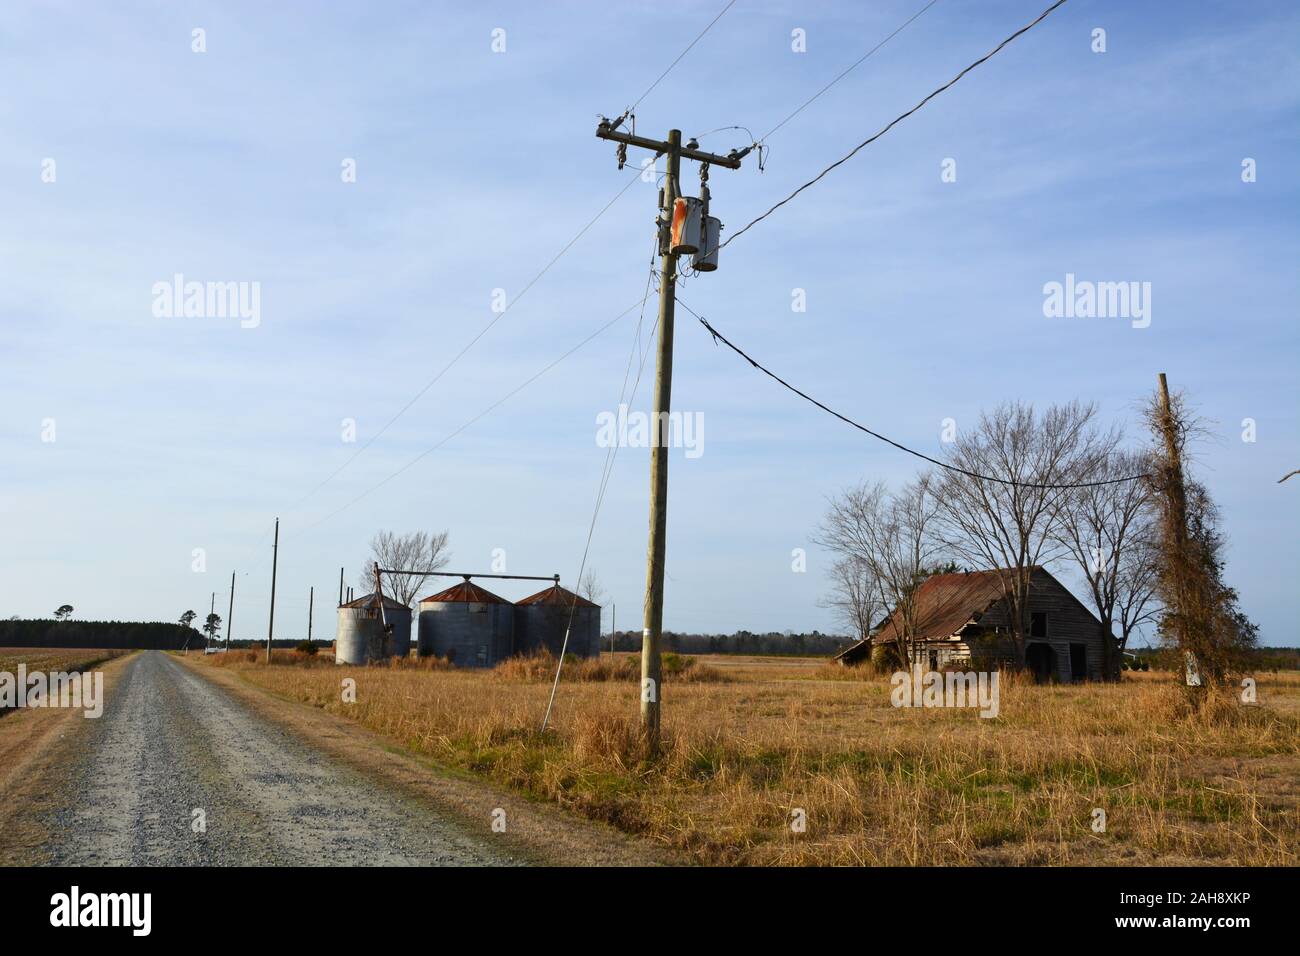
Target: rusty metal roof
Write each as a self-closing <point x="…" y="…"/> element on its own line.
<point x="945" y="603"/>
<point x="368" y="600"/>
<point x="558" y="596"/>
<point x="467" y="592"/>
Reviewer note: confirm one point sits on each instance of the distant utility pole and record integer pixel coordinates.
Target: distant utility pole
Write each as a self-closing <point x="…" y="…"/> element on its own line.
<point x="685" y="228"/>
<point x="275" y="558"/>
<point x="230" y="614"/>
<point x="311" y="606"/>
<point x="212" y="609"/>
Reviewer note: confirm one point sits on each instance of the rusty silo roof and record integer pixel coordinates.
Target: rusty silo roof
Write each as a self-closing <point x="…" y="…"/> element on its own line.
<point x="556" y="595"/>
<point x="466" y="592"/>
<point x="368" y="600"/>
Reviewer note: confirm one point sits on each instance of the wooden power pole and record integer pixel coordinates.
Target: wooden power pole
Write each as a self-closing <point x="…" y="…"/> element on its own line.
<point x="1175" y="492"/>
<point x="275" y="558"/>
<point x="230" y="614"/>
<point x="672" y="214"/>
<point x="311" y="606"/>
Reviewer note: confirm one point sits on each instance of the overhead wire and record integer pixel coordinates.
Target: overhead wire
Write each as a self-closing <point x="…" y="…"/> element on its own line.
<point x="892" y="123"/>
<point x="499" y="402"/>
<point x="607" y="471"/>
<point x="697" y="39"/>
<point x="849" y="69"/>
<point x="469" y="345"/>
<point x="719" y="337"/>
<point x="583" y="231"/>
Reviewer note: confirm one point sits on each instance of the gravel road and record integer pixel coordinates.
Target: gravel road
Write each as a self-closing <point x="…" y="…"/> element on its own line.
<point x="170" y="743"/>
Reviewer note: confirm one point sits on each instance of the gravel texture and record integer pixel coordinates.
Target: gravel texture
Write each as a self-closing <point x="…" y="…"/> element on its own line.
<point x="170" y="743"/>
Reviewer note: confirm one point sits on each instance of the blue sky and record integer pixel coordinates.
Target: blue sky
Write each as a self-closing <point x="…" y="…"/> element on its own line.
<point x="474" y="168"/>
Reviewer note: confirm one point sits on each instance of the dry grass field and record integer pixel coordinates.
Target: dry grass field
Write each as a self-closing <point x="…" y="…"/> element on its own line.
<point x="750" y="741"/>
<point x="54" y="658"/>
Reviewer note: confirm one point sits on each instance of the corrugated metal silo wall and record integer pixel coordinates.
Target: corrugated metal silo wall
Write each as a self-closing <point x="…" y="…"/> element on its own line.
<point x="543" y="625"/>
<point x="400" y="619"/>
<point x="359" y="638"/>
<point x="470" y="635"/>
<point x="424" y="634"/>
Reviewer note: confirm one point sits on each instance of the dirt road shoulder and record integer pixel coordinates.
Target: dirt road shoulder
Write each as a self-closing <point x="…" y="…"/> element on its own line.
<point x="36" y="747"/>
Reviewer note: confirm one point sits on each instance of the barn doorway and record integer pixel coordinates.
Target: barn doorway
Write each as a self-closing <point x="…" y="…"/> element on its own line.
<point x="1079" y="661"/>
<point x="1041" y="661"/>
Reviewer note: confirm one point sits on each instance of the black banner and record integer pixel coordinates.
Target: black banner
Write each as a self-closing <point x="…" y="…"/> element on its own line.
<point x="133" y="906"/>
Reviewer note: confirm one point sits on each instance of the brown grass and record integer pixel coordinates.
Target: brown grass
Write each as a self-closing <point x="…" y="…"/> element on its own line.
<point x="55" y="658"/>
<point x="757" y="740"/>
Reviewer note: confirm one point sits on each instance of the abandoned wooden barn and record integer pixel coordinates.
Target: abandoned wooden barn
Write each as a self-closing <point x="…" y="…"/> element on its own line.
<point x="962" y="620"/>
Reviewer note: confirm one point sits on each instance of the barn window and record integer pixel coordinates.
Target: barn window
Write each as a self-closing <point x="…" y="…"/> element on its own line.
<point x="1038" y="624"/>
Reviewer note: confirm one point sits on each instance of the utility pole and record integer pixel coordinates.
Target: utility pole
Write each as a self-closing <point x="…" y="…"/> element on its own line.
<point x="311" y="606"/>
<point x="275" y="558"/>
<point x="1177" y="494"/>
<point x="212" y="609"/>
<point x="679" y="217"/>
<point x="230" y="614"/>
<point x="1176" y="502"/>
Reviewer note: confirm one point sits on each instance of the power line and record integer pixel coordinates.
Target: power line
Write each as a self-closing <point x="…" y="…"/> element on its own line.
<point x="853" y="66"/>
<point x="432" y="448"/>
<point x="894" y="122"/>
<point x="472" y="342"/>
<point x="680" y="55"/>
<point x="606" y="473"/>
<point x="456" y="358"/>
<point x="719" y="337"/>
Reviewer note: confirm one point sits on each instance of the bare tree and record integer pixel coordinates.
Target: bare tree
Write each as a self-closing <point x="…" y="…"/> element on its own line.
<point x="418" y="551"/>
<point x="1136" y="602"/>
<point x="1011" y="527"/>
<point x="590" y="587"/>
<point x="1106" y="530"/>
<point x="889" y="537"/>
<point x="854" y="596"/>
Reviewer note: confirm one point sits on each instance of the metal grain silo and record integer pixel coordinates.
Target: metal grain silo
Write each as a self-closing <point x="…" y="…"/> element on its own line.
<point x="541" y="619"/>
<point x="361" y="638"/>
<point x="468" y="625"/>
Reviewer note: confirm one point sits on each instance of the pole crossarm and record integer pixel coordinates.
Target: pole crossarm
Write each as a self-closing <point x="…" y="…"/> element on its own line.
<point x="467" y="576"/>
<point x="730" y="161"/>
